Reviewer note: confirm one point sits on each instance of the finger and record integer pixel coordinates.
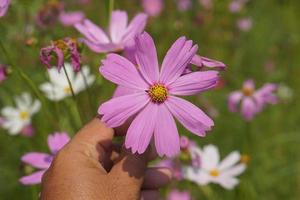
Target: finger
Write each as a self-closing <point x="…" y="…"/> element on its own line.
<point x="129" y="171"/>
<point x="150" y="195"/>
<point x="156" y="178"/>
<point x="94" y="139"/>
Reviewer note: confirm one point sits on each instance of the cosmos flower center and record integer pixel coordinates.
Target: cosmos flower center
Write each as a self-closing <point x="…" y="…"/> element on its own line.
<point x="67" y="90"/>
<point x="214" y="172"/>
<point x="247" y="91"/>
<point x="24" y="115"/>
<point x="158" y="93"/>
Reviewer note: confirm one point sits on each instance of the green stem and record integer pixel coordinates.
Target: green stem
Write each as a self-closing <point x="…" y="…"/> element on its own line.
<point x="73" y="94"/>
<point x="87" y="88"/>
<point x="111" y="8"/>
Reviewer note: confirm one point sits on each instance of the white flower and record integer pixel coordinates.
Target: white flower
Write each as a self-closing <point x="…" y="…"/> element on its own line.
<point x="16" y="118"/>
<point x="58" y="87"/>
<point x="213" y="171"/>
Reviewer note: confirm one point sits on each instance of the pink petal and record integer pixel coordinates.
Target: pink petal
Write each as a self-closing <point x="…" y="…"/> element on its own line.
<point x="122" y="72"/>
<point x="233" y="100"/>
<point x="92" y="32"/>
<point x="194" y="83"/>
<point x="141" y="129"/>
<point x="177" y="59"/>
<point x="135" y="27"/>
<point x="121" y="91"/>
<point x="32" y="179"/>
<point x="190" y="116"/>
<point x="37" y="160"/>
<point x="235" y="170"/>
<point x="153" y="7"/>
<point x="118" y="24"/>
<point x="57" y="141"/>
<point x="201" y="61"/>
<point x="71" y="18"/>
<point x="249" y="108"/>
<point x="101" y="48"/>
<point x="249" y="84"/>
<point x="166" y="134"/>
<point x="146" y="58"/>
<point x="117" y="110"/>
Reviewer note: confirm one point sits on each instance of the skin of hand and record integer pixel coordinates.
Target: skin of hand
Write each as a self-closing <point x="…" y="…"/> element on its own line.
<point x="91" y="167"/>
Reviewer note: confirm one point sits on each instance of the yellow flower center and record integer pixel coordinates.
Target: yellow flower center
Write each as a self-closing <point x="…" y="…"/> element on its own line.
<point x="247" y="91"/>
<point x="214" y="172"/>
<point x="24" y="115"/>
<point x="158" y="93"/>
<point x="67" y="90"/>
<point x="245" y="158"/>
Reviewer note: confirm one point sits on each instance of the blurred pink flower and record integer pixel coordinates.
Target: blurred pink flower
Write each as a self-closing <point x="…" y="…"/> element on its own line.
<point x="120" y="33"/>
<point x="3" y="73"/>
<point x="154" y="99"/>
<point x="42" y="161"/>
<point x="189" y="156"/>
<point x="153" y="7"/>
<point x="207" y="4"/>
<point x="236" y="6"/>
<point x="245" y="24"/>
<point x="2" y="120"/>
<point x="184" y="5"/>
<point x="178" y="195"/>
<point x="252" y="101"/>
<point x="4" y="4"/>
<point x="71" y="18"/>
<point x="61" y="49"/>
<point x="28" y="131"/>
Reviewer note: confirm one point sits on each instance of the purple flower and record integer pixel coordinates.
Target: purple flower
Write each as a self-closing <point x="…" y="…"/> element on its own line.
<point x="245" y="24"/>
<point x="184" y="5"/>
<point x="4" y="4"/>
<point x="236" y="6"/>
<point x="178" y="195"/>
<point x="28" y="131"/>
<point x="71" y="18"/>
<point x="42" y="161"/>
<point x="61" y="49"/>
<point x="154" y="101"/>
<point x="252" y="101"/>
<point x="120" y="33"/>
<point x="153" y="7"/>
<point x="3" y="73"/>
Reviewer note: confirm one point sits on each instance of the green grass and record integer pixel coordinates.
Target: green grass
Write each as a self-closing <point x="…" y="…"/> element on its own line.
<point x="273" y="136"/>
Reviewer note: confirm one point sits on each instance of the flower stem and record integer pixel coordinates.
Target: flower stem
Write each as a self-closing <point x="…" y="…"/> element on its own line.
<point x="87" y="88"/>
<point x="73" y="94"/>
<point x="111" y="8"/>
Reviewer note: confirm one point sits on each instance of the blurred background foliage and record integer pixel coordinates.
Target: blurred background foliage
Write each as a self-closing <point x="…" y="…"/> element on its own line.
<point x="271" y="140"/>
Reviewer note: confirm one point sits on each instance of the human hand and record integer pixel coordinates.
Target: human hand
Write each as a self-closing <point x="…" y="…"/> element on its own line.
<point x="91" y="167"/>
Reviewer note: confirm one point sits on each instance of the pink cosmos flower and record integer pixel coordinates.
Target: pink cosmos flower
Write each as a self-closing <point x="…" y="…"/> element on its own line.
<point x="154" y="99"/>
<point x="153" y="7"/>
<point x="245" y="24"/>
<point x="201" y="62"/>
<point x="178" y="195"/>
<point x="4" y="4"/>
<point x="48" y="15"/>
<point x="3" y="73"/>
<point x="120" y="33"/>
<point x="61" y="49"/>
<point x="252" y="102"/>
<point x="71" y="18"/>
<point x="42" y="161"/>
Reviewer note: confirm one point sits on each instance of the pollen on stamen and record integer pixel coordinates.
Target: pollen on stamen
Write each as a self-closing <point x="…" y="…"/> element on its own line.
<point x="214" y="172"/>
<point x="248" y="91"/>
<point x="158" y="93"/>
